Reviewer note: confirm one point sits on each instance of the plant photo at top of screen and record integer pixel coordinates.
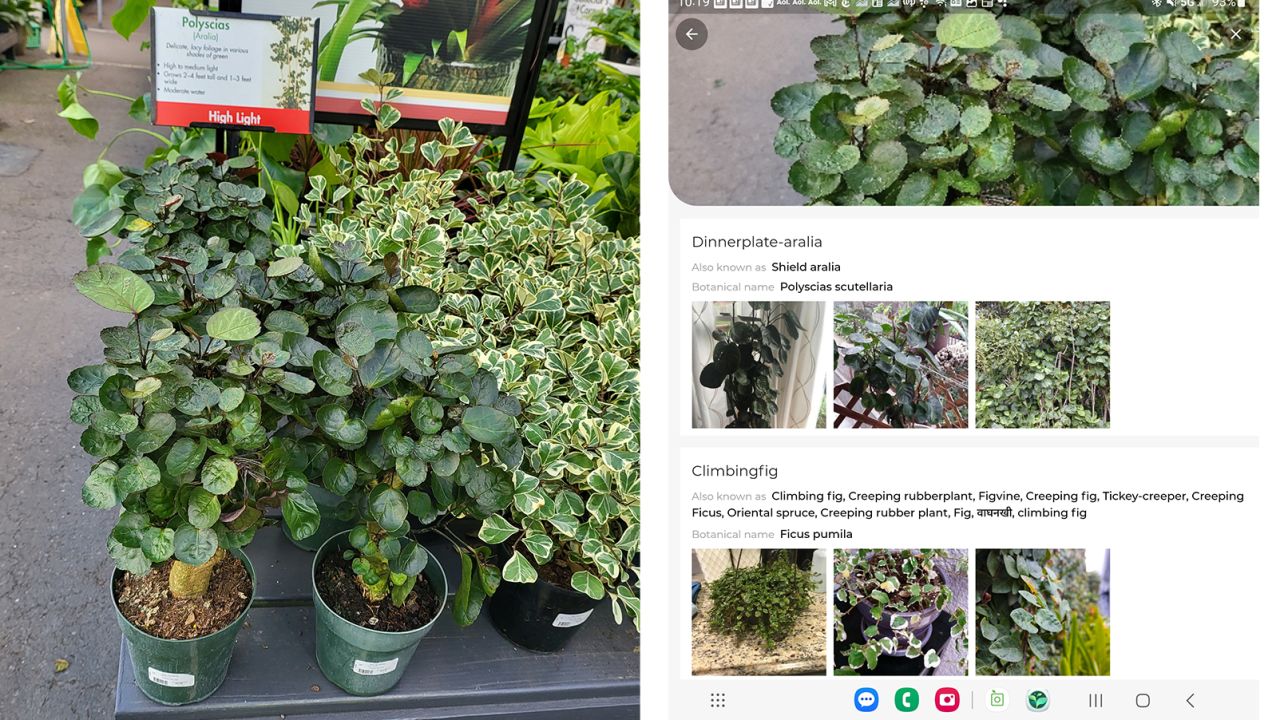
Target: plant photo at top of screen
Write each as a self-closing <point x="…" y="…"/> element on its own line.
<point x="1067" y="102"/>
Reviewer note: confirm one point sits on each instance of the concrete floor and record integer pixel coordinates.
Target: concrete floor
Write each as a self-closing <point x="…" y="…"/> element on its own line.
<point x="53" y="601"/>
<point x="721" y="127"/>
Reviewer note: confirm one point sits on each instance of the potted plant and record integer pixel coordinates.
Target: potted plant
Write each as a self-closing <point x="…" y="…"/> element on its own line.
<point x="895" y="596"/>
<point x="431" y="437"/>
<point x="462" y="46"/>
<point x="178" y="419"/>
<point x="619" y="27"/>
<point x="748" y="355"/>
<point x="554" y="317"/>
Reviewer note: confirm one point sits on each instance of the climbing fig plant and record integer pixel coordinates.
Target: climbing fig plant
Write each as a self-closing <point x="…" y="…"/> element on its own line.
<point x="542" y="300"/>
<point x="899" y="593"/>
<point x="748" y="355"/>
<point x="1023" y="610"/>
<point x="1071" y="102"/>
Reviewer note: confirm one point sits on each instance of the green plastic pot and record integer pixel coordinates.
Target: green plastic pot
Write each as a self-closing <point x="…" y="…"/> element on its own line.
<point x="328" y="504"/>
<point x="179" y="672"/>
<point x="357" y="659"/>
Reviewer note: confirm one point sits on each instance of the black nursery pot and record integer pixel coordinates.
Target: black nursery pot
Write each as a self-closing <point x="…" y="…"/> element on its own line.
<point x="620" y="54"/>
<point x="539" y="615"/>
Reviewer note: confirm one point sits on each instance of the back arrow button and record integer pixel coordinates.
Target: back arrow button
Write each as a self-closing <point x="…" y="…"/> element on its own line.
<point x="691" y="34"/>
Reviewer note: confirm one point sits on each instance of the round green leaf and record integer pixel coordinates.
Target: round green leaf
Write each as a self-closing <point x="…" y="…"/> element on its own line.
<point x="827" y="116"/>
<point x="99" y="489"/>
<point x="1141" y="73"/>
<point x="136" y="475"/>
<point x="879" y="169"/>
<point x="203" y="508"/>
<point x="927" y="123"/>
<point x="1107" y="155"/>
<point x="969" y="30"/>
<point x="1204" y="132"/>
<point x="219" y="475"/>
<point x="975" y="119"/>
<point x="417" y="299"/>
<point x="487" y="425"/>
<point x="339" y="477"/>
<point x="809" y="183"/>
<point x="157" y="544"/>
<point x="1108" y="34"/>
<point x="194" y="546"/>
<point x="795" y="102"/>
<point x="301" y="515"/>
<point x="389" y="507"/>
<point x="115" y="288"/>
<point x="283" y="266"/>
<point x="184" y="457"/>
<point x="233" y="324"/>
<point x="827" y="157"/>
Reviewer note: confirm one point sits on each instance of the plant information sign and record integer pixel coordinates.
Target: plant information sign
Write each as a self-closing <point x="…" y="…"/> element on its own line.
<point x="240" y="72"/>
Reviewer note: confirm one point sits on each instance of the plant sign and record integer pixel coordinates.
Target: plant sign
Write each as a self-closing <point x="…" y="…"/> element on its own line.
<point x="472" y="61"/>
<point x="238" y="72"/>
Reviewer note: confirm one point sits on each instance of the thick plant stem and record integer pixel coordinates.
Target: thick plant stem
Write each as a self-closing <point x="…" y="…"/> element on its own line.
<point x="189" y="581"/>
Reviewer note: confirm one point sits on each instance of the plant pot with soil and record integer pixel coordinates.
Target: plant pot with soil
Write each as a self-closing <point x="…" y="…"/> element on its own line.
<point x="542" y="615"/>
<point x="177" y="419"/>
<point x="363" y="646"/>
<point x="180" y="646"/>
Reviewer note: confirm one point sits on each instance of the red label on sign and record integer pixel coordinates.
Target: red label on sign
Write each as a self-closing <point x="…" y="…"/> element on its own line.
<point x="188" y="114"/>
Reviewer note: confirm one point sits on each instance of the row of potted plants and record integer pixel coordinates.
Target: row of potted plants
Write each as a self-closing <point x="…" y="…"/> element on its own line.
<point x="411" y="347"/>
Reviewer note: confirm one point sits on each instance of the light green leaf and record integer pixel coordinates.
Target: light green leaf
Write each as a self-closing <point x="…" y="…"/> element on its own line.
<point x="115" y="288"/>
<point x="969" y="30"/>
<point x="234" y="324"/>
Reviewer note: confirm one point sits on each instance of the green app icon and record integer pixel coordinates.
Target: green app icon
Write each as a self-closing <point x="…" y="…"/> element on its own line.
<point x="1037" y="701"/>
<point x="906" y="700"/>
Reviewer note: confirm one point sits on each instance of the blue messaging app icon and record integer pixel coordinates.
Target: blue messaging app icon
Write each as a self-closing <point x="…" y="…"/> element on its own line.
<point x="866" y="699"/>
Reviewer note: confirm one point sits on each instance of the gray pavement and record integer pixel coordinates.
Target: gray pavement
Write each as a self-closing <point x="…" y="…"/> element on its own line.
<point x="721" y="126"/>
<point x="53" y="601"/>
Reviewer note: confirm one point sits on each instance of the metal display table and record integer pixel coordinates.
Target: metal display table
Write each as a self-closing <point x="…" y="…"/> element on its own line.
<point x="457" y="672"/>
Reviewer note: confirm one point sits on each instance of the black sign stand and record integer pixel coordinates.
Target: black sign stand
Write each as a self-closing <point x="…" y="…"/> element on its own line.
<point x="535" y="52"/>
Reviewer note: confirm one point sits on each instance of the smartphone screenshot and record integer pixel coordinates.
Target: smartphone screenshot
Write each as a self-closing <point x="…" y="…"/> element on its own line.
<point x="937" y="443"/>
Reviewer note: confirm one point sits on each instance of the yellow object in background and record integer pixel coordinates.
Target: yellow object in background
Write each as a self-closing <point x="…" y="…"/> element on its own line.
<point x="75" y="30"/>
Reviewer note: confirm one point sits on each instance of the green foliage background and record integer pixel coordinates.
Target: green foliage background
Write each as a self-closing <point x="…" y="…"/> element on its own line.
<point x="1044" y="365"/>
<point x="1066" y="102"/>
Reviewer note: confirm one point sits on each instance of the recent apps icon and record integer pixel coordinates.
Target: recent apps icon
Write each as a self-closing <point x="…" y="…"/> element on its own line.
<point x="947" y="700"/>
<point x="866" y="699"/>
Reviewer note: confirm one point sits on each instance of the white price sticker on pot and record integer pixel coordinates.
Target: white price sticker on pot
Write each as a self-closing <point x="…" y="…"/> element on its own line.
<point x="375" y="668"/>
<point x="169" y="679"/>
<point x="566" y="620"/>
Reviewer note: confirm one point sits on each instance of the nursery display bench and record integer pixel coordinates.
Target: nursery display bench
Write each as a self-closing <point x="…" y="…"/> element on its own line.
<point x="457" y="672"/>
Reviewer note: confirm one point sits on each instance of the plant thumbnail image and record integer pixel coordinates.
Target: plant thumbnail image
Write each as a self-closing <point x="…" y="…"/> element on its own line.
<point x="1043" y="364"/>
<point x="759" y="612"/>
<point x="1069" y="103"/>
<point x="901" y="365"/>
<point x="901" y="612"/>
<point x="1044" y="612"/>
<point x="755" y="364"/>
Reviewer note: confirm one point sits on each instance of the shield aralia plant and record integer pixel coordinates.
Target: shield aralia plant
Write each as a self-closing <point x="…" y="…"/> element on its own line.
<point x="1110" y="102"/>
<point x="179" y="414"/>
